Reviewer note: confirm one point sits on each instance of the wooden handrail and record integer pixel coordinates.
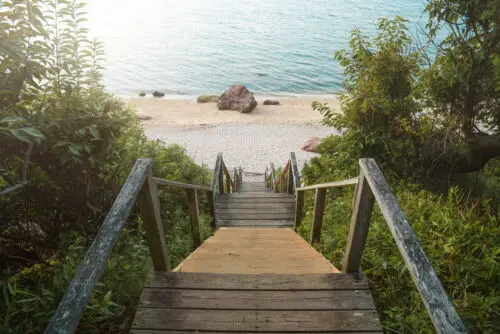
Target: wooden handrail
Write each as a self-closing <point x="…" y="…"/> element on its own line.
<point x="180" y="184"/>
<point x="69" y="311"/>
<point x="373" y="187"/>
<point x="336" y="184"/>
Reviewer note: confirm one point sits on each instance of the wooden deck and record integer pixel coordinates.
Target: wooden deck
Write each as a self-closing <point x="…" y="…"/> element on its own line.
<point x="255" y="279"/>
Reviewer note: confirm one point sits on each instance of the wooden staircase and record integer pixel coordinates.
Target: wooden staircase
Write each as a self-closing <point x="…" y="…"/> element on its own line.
<point x="255" y="274"/>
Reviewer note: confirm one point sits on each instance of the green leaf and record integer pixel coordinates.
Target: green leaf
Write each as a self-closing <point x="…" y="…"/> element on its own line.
<point x="20" y="135"/>
<point x="12" y="119"/>
<point x="74" y="148"/>
<point x="32" y="132"/>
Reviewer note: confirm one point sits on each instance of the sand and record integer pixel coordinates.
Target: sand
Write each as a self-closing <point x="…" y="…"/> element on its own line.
<point x="189" y="113"/>
<point x="251" y="141"/>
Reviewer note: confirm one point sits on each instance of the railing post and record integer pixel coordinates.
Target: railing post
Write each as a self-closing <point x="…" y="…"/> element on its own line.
<point x="194" y="215"/>
<point x="299" y="209"/>
<point x="211" y="207"/>
<point x="282" y="182"/>
<point x="228" y="183"/>
<point x="221" y="179"/>
<point x="289" y="186"/>
<point x="360" y="223"/>
<point x="319" y="208"/>
<point x="150" y="211"/>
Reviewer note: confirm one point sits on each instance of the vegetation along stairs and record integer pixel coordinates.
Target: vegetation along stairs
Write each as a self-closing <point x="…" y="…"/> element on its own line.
<point x="256" y="274"/>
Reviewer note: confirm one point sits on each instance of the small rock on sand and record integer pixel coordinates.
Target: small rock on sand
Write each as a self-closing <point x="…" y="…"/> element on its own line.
<point x="311" y="145"/>
<point x="208" y="98"/>
<point x="271" y="103"/>
<point x="144" y="117"/>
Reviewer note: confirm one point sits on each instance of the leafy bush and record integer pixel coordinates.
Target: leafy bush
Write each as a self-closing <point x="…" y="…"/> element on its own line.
<point x="461" y="238"/>
<point x="66" y="147"/>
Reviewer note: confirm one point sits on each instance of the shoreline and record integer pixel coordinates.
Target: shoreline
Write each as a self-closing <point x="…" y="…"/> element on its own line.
<point x="167" y="111"/>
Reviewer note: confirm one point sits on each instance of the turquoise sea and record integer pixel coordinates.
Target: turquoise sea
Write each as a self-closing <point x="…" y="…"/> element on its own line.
<point x="191" y="47"/>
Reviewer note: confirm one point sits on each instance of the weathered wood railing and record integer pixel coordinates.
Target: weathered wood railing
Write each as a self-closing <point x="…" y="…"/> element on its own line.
<point x="140" y="183"/>
<point x="371" y="186"/>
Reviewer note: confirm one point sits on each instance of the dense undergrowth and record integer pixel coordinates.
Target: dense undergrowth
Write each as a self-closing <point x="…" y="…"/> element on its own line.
<point x="66" y="147"/>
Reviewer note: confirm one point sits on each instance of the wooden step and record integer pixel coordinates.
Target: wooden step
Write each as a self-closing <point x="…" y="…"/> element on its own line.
<point x="259" y="199"/>
<point x="256" y="195"/>
<point x="254" y="205"/>
<point x="268" y="303"/>
<point x="264" y="209"/>
<point x="255" y="223"/>
<point x="255" y="216"/>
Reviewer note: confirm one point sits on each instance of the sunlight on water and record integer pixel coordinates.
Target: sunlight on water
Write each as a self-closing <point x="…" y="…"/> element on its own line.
<point x="194" y="47"/>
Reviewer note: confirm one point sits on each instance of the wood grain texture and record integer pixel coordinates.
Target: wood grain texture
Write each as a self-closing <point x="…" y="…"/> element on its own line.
<point x="68" y="313"/>
<point x="299" y="209"/>
<point x="319" y="208"/>
<point x="254" y="200"/>
<point x="161" y="331"/>
<point x="232" y="205"/>
<point x="257" y="195"/>
<point x="441" y="310"/>
<point x="217" y="169"/>
<point x="265" y="209"/>
<point x="180" y="184"/>
<point x="295" y="170"/>
<point x="336" y="184"/>
<point x="270" y="282"/>
<point x="255" y="223"/>
<point x="155" y="236"/>
<point x="256" y="251"/>
<point x="255" y="216"/>
<point x="255" y="320"/>
<point x="360" y="223"/>
<point x="194" y="216"/>
<point x="257" y="300"/>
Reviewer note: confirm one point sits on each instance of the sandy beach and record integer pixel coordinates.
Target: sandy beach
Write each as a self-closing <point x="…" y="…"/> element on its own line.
<point x="251" y="141"/>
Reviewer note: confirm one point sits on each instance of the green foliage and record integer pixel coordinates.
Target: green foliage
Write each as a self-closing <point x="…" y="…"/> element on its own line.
<point x="460" y="236"/>
<point x="66" y="147"/>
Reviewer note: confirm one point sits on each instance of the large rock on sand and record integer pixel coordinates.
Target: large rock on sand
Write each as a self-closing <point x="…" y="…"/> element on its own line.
<point x="311" y="145"/>
<point x="238" y="98"/>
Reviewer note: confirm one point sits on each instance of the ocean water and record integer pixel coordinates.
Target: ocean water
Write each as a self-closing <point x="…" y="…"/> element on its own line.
<point x="192" y="47"/>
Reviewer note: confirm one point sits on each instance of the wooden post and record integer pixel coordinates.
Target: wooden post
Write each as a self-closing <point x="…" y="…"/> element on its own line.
<point x="194" y="215"/>
<point x="319" y="208"/>
<point x="150" y="211"/>
<point x="221" y="179"/>
<point x="299" y="209"/>
<point x="282" y="182"/>
<point x="360" y="223"/>
<point x="211" y="207"/>
<point x="228" y="183"/>
<point x="290" y="180"/>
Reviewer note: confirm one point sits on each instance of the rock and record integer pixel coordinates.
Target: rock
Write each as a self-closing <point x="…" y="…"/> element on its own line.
<point x="271" y="103"/>
<point x="142" y="94"/>
<point x="239" y="98"/>
<point x="144" y="117"/>
<point x="208" y="98"/>
<point x="158" y="94"/>
<point x="311" y="145"/>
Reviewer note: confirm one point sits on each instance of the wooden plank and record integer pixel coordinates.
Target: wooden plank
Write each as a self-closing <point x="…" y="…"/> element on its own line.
<point x="229" y="182"/>
<point x="255" y="223"/>
<point x="221" y="180"/>
<point x="256" y="251"/>
<point x="257" y="195"/>
<point x="299" y="209"/>
<point x="319" y="208"/>
<point x="295" y="170"/>
<point x="268" y="209"/>
<point x="258" y="215"/>
<point x="256" y="200"/>
<point x="253" y="205"/>
<point x="271" y="282"/>
<point x="257" y="300"/>
<point x="194" y="216"/>
<point x="160" y="331"/>
<point x="336" y="184"/>
<point x="180" y="184"/>
<point x="244" y="320"/>
<point x="69" y="311"/>
<point x="360" y="223"/>
<point x="290" y="183"/>
<point x="212" y="208"/>
<point x="441" y="310"/>
<point x="217" y="168"/>
<point x="155" y="236"/>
